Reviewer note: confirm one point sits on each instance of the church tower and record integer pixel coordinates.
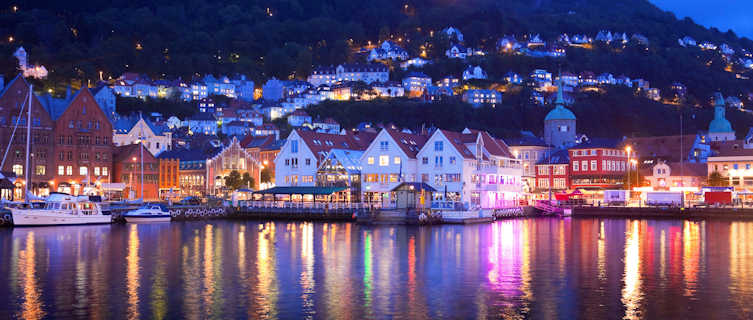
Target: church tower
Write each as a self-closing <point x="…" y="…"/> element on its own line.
<point x="559" y="124"/>
<point x="720" y="129"/>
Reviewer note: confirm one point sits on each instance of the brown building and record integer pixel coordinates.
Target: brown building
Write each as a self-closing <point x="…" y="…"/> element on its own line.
<point x="13" y="98"/>
<point x="83" y="143"/>
<point x="127" y="169"/>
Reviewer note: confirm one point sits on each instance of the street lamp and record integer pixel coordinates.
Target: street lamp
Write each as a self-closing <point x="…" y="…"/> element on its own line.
<point x="628" y="149"/>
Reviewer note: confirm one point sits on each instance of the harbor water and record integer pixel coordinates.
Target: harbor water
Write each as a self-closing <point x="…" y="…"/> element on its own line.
<point x="541" y="268"/>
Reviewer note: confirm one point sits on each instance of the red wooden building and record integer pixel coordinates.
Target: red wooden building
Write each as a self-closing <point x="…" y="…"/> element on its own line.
<point x="553" y="172"/>
<point x="127" y="169"/>
<point x="83" y="143"/>
<point x="598" y="165"/>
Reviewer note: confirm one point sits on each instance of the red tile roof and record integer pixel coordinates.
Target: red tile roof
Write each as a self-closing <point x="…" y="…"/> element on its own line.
<point x="410" y="143"/>
<point x="320" y="143"/>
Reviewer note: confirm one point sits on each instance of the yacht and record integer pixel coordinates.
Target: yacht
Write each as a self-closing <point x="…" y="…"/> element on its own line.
<point x="61" y="209"/>
<point x="148" y="213"/>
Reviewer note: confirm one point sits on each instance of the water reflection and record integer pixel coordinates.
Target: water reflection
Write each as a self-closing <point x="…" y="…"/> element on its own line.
<point x="132" y="272"/>
<point x="631" y="291"/>
<point x="524" y="268"/>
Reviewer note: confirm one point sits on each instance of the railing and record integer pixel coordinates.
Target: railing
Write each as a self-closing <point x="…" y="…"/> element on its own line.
<point x="304" y="205"/>
<point x="447" y="205"/>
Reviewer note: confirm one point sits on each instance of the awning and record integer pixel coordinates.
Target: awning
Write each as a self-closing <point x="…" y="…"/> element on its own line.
<point x="302" y="190"/>
<point x="417" y="186"/>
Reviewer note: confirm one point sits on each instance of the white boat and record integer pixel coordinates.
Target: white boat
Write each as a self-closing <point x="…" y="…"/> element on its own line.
<point x="148" y="213"/>
<point x="61" y="209"/>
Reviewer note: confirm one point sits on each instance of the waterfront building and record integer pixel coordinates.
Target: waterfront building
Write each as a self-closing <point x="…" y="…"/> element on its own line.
<point x="599" y="165"/>
<point x="191" y="172"/>
<point x="733" y="159"/>
<point x="127" y="170"/>
<point x="389" y="160"/>
<point x="342" y="168"/>
<point x="675" y="176"/>
<point x="168" y="182"/>
<point x="529" y="149"/>
<point x="230" y="158"/>
<point x="559" y="124"/>
<point x="264" y="148"/>
<point x="553" y="172"/>
<point x="13" y="97"/>
<point x="472" y="168"/>
<point x="83" y="145"/>
<point x="301" y="154"/>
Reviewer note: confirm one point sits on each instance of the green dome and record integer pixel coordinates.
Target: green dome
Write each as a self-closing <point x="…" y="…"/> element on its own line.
<point x="720" y="125"/>
<point x="560" y="113"/>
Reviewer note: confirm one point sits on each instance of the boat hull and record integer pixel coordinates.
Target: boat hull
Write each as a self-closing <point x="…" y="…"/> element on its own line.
<point x="147" y="218"/>
<point x="26" y="218"/>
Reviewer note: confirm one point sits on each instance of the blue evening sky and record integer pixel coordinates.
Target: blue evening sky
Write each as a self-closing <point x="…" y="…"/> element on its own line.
<point x="722" y="14"/>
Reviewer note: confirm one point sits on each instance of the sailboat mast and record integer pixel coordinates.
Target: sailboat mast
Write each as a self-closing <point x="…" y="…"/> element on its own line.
<point x="28" y="148"/>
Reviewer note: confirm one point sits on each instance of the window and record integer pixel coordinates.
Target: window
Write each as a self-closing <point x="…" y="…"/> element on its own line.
<point x="438" y="146"/>
<point x="734" y="166"/>
<point x="425" y="160"/>
<point x="83" y="171"/>
<point x="70" y="124"/>
<point x="397" y="160"/>
<point x="384" y="161"/>
<point x="294" y="146"/>
<point x="104" y="171"/>
<point x="40" y="170"/>
<point x="287" y="162"/>
<point x="370" y="160"/>
<point x="384" y="145"/>
<point x="294" y="162"/>
<point x="438" y="161"/>
<point x="61" y="170"/>
<point x="584" y="165"/>
<point x="96" y="171"/>
<point x="18" y="170"/>
<point x="453" y="160"/>
<point x="593" y="165"/>
<point x="576" y="166"/>
<point x="308" y="161"/>
<point x="69" y="170"/>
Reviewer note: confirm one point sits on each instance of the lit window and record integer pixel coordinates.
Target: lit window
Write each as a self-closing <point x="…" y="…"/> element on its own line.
<point x="83" y="171"/>
<point x="397" y="160"/>
<point x="370" y="160"/>
<point x="69" y="170"/>
<point x="384" y="161"/>
<point x="96" y="171"/>
<point x="61" y="170"/>
<point x="18" y="170"/>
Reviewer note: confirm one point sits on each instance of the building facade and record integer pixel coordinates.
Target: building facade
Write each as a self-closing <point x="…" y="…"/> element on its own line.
<point x="83" y="145"/>
<point x="598" y="166"/>
<point x="127" y="169"/>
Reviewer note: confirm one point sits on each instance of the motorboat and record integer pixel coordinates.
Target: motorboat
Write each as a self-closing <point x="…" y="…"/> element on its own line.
<point x="60" y="209"/>
<point x="148" y="213"/>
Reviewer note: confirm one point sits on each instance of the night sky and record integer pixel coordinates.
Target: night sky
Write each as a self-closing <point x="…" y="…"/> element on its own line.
<point x="722" y="14"/>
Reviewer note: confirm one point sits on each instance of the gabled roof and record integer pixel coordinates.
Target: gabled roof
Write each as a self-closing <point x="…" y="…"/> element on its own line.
<point x="125" y="124"/>
<point x="670" y="148"/>
<point x="597" y="143"/>
<point x="320" y="143"/>
<point x="458" y="141"/>
<point x="559" y="156"/>
<point x="123" y="153"/>
<point x="410" y="143"/>
<point x="257" y="141"/>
